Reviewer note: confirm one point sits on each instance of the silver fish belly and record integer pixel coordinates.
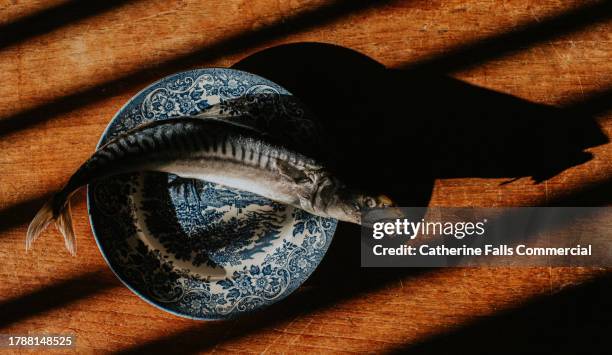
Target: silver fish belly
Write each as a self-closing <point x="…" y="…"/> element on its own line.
<point x="218" y="151"/>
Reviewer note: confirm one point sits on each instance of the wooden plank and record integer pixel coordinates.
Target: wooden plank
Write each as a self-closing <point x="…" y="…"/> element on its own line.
<point x="63" y="84"/>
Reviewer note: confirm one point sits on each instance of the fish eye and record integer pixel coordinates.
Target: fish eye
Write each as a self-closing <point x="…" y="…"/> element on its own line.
<point x="369" y="202"/>
<point x="385" y="201"/>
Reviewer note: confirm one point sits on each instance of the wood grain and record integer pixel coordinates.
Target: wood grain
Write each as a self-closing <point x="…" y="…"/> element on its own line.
<point x="62" y="82"/>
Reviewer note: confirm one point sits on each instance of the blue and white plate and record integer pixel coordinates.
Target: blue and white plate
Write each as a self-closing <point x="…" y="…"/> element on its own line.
<point x="198" y="249"/>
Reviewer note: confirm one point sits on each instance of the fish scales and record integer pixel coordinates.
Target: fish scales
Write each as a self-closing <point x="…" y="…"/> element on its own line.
<point x="214" y="150"/>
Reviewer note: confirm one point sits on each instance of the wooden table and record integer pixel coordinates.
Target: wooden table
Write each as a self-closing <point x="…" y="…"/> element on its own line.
<point x="491" y="95"/>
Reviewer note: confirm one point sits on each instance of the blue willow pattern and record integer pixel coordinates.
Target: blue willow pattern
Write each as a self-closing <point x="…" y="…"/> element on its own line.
<point x="265" y="249"/>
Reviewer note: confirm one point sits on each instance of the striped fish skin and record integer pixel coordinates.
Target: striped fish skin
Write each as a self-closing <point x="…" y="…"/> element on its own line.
<point x="214" y="150"/>
<point x="211" y="150"/>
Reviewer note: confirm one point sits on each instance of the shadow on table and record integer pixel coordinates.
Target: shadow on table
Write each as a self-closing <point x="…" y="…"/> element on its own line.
<point x="573" y="321"/>
<point x="395" y="131"/>
<point x="52" y="18"/>
<point x="54" y="296"/>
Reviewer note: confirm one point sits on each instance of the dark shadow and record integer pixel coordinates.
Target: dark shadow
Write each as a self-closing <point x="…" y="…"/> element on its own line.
<point x="20" y="212"/>
<point x="395" y="131"/>
<point x="471" y="54"/>
<point x="573" y="321"/>
<point x="23" y="211"/>
<point x="525" y="35"/>
<point x="594" y="194"/>
<point x="328" y="287"/>
<point x="593" y="104"/>
<point x="52" y="18"/>
<point x="227" y="46"/>
<point x="54" y="296"/>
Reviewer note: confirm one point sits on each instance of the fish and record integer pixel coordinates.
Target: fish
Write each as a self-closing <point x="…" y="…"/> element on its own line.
<point x="215" y="150"/>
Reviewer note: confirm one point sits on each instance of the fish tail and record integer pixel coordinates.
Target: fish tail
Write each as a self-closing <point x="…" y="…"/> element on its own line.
<point x="62" y="218"/>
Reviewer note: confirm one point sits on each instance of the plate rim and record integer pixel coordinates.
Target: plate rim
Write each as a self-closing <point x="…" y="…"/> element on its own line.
<point x="89" y="191"/>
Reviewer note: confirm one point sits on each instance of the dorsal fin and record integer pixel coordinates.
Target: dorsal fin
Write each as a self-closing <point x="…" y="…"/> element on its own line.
<point x="197" y="119"/>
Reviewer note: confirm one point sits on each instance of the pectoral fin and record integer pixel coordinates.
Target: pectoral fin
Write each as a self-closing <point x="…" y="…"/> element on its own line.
<point x="295" y="174"/>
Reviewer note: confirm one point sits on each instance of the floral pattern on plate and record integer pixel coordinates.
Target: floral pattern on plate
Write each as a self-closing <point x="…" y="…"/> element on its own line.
<point x="198" y="249"/>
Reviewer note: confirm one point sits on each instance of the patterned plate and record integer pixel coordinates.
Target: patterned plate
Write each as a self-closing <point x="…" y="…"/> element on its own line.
<point x="197" y="249"/>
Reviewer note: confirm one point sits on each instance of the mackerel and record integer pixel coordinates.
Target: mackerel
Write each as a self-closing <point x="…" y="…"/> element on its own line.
<point x="215" y="150"/>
